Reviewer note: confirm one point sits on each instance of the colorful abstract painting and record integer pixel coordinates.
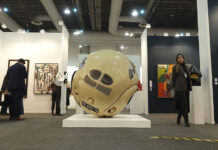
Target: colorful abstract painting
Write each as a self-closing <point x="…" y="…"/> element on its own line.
<point x="44" y="76"/>
<point x="164" y="72"/>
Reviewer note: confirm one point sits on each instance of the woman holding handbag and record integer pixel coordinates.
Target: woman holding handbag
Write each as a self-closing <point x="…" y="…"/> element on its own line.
<point x="182" y="85"/>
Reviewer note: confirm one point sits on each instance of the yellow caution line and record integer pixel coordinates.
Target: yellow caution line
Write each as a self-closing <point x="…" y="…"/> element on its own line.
<point x="207" y="140"/>
<point x="187" y="139"/>
<point x="154" y="137"/>
<point x="196" y="139"/>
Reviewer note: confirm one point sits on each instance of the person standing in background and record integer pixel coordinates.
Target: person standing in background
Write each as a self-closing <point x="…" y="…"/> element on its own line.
<point x="68" y="95"/>
<point x="182" y="85"/>
<point x="16" y="86"/>
<point x="7" y="96"/>
<point x="54" y="97"/>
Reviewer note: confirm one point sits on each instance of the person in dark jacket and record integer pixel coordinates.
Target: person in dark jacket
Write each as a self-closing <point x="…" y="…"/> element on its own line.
<point x="16" y="85"/>
<point x="53" y="97"/>
<point x="68" y="96"/>
<point x="182" y="85"/>
<point x="56" y="98"/>
<point x="7" y="96"/>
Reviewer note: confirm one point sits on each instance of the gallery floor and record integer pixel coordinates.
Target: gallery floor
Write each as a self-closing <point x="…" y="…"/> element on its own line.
<point x="45" y="132"/>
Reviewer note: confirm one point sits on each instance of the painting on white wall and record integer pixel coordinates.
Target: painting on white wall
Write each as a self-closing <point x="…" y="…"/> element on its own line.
<point x="26" y="65"/>
<point x="44" y="76"/>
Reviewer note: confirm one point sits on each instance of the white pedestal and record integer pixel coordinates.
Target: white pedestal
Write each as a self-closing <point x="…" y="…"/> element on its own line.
<point x="196" y="115"/>
<point x="117" y="121"/>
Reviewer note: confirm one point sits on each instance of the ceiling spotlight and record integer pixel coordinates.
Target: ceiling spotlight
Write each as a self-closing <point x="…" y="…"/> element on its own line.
<point x="176" y="35"/>
<point x="75" y="10"/>
<point x="131" y="34"/>
<point x="142" y="11"/>
<point x="135" y="13"/>
<point x="166" y="34"/>
<point x="126" y="33"/>
<point x="67" y="11"/>
<point x="42" y="31"/>
<point x="181" y="34"/>
<point x="148" y="26"/>
<point x="187" y="34"/>
<point x="76" y="33"/>
<point x="80" y="46"/>
<point x="122" y="47"/>
<point x="4" y="26"/>
<point x="5" y="9"/>
<point x="27" y="30"/>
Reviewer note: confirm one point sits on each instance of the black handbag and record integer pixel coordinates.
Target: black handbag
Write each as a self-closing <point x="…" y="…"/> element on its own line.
<point x="195" y="73"/>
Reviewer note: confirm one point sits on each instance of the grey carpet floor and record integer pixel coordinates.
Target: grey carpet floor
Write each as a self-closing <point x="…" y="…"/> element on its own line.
<point x="45" y="132"/>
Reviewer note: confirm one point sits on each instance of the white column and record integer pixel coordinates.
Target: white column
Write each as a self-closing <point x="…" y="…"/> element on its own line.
<point x="144" y="65"/>
<point x="63" y="66"/>
<point x="203" y="99"/>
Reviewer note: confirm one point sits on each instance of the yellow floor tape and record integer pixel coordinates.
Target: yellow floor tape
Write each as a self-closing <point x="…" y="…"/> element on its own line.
<point x="177" y="138"/>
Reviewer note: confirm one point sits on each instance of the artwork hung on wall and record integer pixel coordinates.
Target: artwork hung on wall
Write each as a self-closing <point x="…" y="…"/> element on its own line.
<point x="14" y="61"/>
<point x="164" y="72"/>
<point x="44" y="76"/>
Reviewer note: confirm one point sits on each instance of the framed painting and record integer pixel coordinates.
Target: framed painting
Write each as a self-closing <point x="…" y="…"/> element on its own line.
<point x="14" y="61"/>
<point x="44" y="76"/>
<point x="164" y="72"/>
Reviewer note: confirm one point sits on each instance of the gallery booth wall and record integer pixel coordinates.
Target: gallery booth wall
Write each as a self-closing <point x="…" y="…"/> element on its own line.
<point x="37" y="48"/>
<point x="213" y="30"/>
<point x="163" y="50"/>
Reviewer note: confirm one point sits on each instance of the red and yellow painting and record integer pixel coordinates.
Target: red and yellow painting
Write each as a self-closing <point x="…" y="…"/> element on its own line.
<point x="164" y="72"/>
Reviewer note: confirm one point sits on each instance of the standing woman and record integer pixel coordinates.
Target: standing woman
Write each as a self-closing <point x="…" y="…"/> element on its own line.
<point x="182" y="85"/>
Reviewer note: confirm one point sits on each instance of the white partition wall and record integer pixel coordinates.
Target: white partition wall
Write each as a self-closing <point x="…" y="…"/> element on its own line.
<point x="205" y="94"/>
<point x="144" y="65"/>
<point x="139" y="102"/>
<point x="63" y="66"/>
<point x="1" y="72"/>
<point x="37" y="48"/>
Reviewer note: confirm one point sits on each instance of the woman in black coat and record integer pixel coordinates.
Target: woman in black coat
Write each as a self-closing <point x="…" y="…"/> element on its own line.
<point x="182" y="85"/>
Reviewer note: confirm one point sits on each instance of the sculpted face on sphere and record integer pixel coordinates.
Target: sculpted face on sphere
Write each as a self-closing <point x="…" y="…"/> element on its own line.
<point x="105" y="82"/>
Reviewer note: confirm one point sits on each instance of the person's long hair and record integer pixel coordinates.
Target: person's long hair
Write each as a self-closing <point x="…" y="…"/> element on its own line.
<point x="177" y="63"/>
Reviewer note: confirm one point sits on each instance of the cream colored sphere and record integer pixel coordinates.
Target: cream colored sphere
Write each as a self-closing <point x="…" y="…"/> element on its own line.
<point x="105" y="82"/>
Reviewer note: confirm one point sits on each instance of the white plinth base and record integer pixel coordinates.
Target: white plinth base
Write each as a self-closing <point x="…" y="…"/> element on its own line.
<point x="117" y="121"/>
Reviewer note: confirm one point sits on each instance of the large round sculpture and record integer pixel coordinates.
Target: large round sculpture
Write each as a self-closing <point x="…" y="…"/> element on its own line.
<point x="105" y="82"/>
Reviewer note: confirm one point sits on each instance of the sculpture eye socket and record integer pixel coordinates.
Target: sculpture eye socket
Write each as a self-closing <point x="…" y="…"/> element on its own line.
<point x="82" y="63"/>
<point x="107" y="80"/>
<point x="131" y="70"/>
<point x="95" y="74"/>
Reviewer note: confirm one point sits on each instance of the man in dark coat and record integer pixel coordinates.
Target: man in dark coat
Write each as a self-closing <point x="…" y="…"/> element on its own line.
<point x="16" y="85"/>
